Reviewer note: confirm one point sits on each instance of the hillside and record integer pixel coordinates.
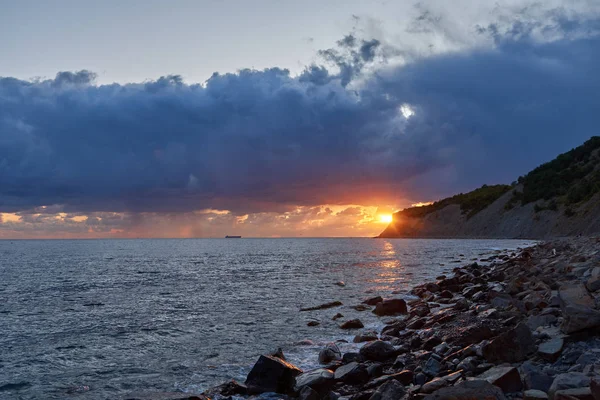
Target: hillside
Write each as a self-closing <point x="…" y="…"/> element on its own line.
<point x="558" y="198"/>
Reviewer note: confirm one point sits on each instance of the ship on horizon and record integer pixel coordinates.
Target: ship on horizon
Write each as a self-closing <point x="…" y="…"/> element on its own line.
<point x="232" y="237"/>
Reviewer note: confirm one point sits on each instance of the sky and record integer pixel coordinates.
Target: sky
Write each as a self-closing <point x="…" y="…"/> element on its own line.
<point x="279" y="118"/>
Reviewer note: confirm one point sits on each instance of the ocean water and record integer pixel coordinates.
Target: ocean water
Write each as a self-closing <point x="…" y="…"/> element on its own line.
<point x="99" y="319"/>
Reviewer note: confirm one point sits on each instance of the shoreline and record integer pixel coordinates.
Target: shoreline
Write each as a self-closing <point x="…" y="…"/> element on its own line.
<point x="525" y="325"/>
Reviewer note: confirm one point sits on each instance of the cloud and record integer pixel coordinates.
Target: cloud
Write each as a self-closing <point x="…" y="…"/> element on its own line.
<point x="256" y="142"/>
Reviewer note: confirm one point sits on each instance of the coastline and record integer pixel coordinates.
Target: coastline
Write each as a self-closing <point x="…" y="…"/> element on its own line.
<point x="527" y="324"/>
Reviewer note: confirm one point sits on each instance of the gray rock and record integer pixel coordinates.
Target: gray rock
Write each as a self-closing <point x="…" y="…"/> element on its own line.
<point x="315" y="379"/>
<point x="595" y="388"/>
<point x="420" y="378"/>
<point x="434" y="385"/>
<point x="534" y="378"/>
<point x="432" y="367"/>
<point x="533" y="394"/>
<point x="368" y="336"/>
<point x="329" y="353"/>
<point x="535" y="321"/>
<point x="577" y="308"/>
<point x="501" y="301"/>
<point x="352" y="324"/>
<point x="551" y="349"/>
<point x="468" y="390"/>
<point x="506" y="378"/>
<point x="584" y="393"/>
<point x="390" y="390"/>
<point x="307" y="393"/>
<point x="511" y="346"/>
<point x="378" y="351"/>
<point x="373" y="300"/>
<point x="353" y="372"/>
<point x="570" y="380"/>
<point x="591" y="356"/>
<point x="593" y="283"/>
<point x="271" y="374"/>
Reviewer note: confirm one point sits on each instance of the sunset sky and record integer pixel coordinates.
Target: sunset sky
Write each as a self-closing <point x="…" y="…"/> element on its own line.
<point x="279" y="118"/>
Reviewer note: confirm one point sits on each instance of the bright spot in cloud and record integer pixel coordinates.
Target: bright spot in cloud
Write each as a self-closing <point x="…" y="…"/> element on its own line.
<point x="422" y="204"/>
<point x="406" y="111"/>
<point x="387" y="218"/>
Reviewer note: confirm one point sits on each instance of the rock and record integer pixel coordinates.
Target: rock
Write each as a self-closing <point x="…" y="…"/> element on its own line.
<point x="331" y="352"/>
<point x="394" y="329"/>
<point x="534" y="300"/>
<point x="432" y="367"/>
<point x="337" y="316"/>
<point x="595" y="388"/>
<point x="433" y="385"/>
<point x="533" y="394"/>
<point x="352" y="324"/>
<point x="340" y="283"/>
<point x="307" y="393"/>
<point x="550" y="350"/>
<point x="591" y="356"/>
<point x="472" y="334"/>
<point x="323" y="306"/>
<point x="468" y="390"/>
<point x="316" y="379"/>
<point x="360" y="307"/>
<point x="416" y="324"/>
<point x="534" y="377"/>
<point x="570" y="394"/>
<point x="404" y="377"/>
<point x="390" y="307"/>
<point x="570" y="380"/>
<point x="506" y="378"/>
<point x="365" y="337"/>
<point x="351" y="357"/>
<point x="271" y="374"/>
<point x="373" y="300"/>
<point x="390" y="390"/>
<point x="511" y="346"/>
<point x="577" y="308"/>
<point x="378" y="351"/>
<point x="535" y="321"/>
<point x="501" y="301"/>
<point x="313" y="323"/>
<point x="353" y="373"/>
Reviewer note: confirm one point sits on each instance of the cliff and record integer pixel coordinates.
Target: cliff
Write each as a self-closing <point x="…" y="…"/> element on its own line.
<point x="558" y="198"/>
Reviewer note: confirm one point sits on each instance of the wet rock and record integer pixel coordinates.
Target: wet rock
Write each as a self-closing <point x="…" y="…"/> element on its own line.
<point x="533" y="394"/>
<point x="468" y="364"/>
<point x="577" y="308"/>
<point x="323" y="306"/>
<point x="432" y="367"/>
<point x="416" y="324"/>
<point x="506" y="378"/>
<point x="360" y="307"/>
<point x="390" y="390"/>
<point x="278" y="353"/>
<point x="331" y="352"/>
<point x="307" y="393"/>
<point x="375" y="370"/>
<point x="468" y="390"/>
<point x="351" y="357"/>
<point x="420" y="378"/>
<point x="365" y="337"/>
<point x="511" y="346"/>
<point x="551" y="349"/>
<point x="405" y="377"/>
<point x="373" y="301"/>
<point x="390" y="307"/>
<point x="394" y="329"/>
<point x="378" y="351"/>
<point x="433" y="385"/>
<point x="337" y="316"/>
<point x="570" y="394"/>
<point x="313" y="323"/>
<point x="570" y="380"/>
<point x="352" y="373"/>
<point x="317" y="379"/>
<point x="271" y="374"/>
<point x="352" y="324"/>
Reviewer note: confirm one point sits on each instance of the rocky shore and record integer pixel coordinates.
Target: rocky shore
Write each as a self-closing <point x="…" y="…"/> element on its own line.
<point x="527" y="326"/>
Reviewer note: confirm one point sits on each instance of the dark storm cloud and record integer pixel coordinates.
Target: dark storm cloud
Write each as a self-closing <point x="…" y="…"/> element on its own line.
<point x="266" y="140"/>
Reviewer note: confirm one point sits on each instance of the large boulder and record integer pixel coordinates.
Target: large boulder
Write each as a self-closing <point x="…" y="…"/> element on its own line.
<point x="390" y="390"/>
<point x="317" y="379"/>
<point x="378" y="350"/>
<point x="271" y="374"/>
<point x="390" y="307"/>
<point x="330" y="353"/>
<point x="569" y="380"/>
<point x="551" y="349"/>
<point x="468" y="390"/>
<point x="511" y="346"/>
<point x="506" y="378"/>
<point x="578" y="308"/>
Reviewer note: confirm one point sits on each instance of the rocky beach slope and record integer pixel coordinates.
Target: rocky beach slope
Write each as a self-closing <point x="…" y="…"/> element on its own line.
<point x="527" y="326"/>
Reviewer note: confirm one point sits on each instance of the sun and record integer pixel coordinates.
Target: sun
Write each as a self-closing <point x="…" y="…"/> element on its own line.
<point x="387" y="218"/>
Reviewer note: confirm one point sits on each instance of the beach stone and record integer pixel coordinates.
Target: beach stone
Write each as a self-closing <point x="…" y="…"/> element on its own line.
<point x="393" y="329"/>
<point x="534" y="378"/>
<point x="533" y="394"/>
<point x="591" y="356"/>
<point x="506" y="378"/>
<point x="337" y="316"/>
<point x="373" y="300"/>
<point x="316" y="379"/>
<point x="511" y="346"/>
<point x="593" y="283"/>
<point x="331" y="352"/>
<point x="577" y="308"/>
<point x="390" y="307"/>
<point x="416" y="324"/>
<point x="569" y="380"/>
<point x="323" y="306"/>
<point x="550" y="350"/>
<point x="351" y="357"/>
<point x="501" y="301"/>
<point x="390" y="390"/>
<point x="595" y="388"/>
<point x="432" y="367"/>
<point x="378" y="351"/>
<point x="468" y="390"/>
<point x="352" y="324"/>
<point x="535" y="321"/>
<point x="271" y="374"/>
<point x="365" y="337"/>
<point x="307" y="393"/>
<point x="420" y="378"/>
<point x="313" y="323"/>
<point x="405" y="377"/>
<point x="433" y="385"/>
<point x="360" y="307"/>
<point x="584" y="393"/>
<point x="353" y="372"/>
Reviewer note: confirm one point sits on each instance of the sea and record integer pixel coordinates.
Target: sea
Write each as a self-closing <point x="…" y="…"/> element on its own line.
<point x="106" y="319"/>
